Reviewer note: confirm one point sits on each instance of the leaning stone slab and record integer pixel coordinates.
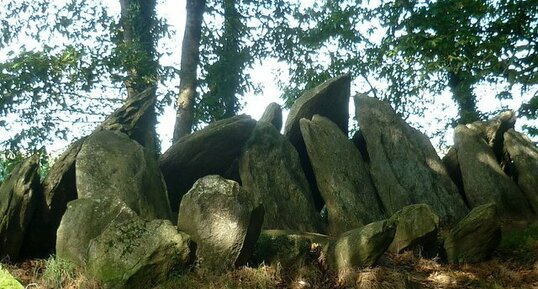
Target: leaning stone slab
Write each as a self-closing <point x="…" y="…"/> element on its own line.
<point x="330" y="99"/>
<point x="84" y="220"/>
<point x="59" y="188"/>
<point x="492" y="131"/>
<point x="270" y="168"/>
<point x="111" y="164"/>
<point x="524" y="155"/>
<point x="223" y="219"/>
<point x="18" y="194"/>
<point x="475" y="237"/>
<point x="273" y="115"/>
<point x="405" y="167"/>
<point x="361" y="247"/>
<point x="416" y="225"/>
<point x="138" y="254"/>
<point x="209" y="151"/>
<point x="483" y="179"/>
<point x="342" y="176"/>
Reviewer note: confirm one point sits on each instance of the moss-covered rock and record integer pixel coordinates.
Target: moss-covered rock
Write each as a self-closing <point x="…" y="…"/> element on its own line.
<point x="7" y="280"/>
<point x="361" y="247"/>
<point x="18" y="196"/>
<point x="475" y="237"/>
<point x="287" y="248"/>
<point x="416" y="225"/>
<point x="138" y="254"/>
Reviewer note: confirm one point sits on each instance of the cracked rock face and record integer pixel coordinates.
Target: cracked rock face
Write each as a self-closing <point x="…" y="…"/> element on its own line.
<point x="404" y="166"/>
<point x="342" y="176"/>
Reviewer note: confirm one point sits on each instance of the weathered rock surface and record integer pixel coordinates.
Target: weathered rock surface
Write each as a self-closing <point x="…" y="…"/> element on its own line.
<point x="483" y="179"/>
<point x="452" y="165"/>
<point x="18" y="195"/>
<point x="209" y="151"/>
<point x="223" y="219"/>
<point x="404" y="166"/>
<point x="524" y="155"/>
<point x="84" y="220"/>
<point x="287" y="248"/>
<point x="475" y="237"/>
<point x="59" y="188"/>
<point x="416" y="225"/>
<point x="330" y="99"/>
<point x="138" y="254"/>
<point x="132" y="119"/>
<point x="492" y="131"/>
<point x="111" y="164"/>
<point x="270" y="168"/>
<point x="7" y="280"/>
<point x="342" y="176"/>
<point x="361" y="247"/>
<point x="273" y="115"/>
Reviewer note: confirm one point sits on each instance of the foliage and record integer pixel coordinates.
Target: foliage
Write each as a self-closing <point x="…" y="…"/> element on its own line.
<point x="235" y="36"/>
<point x="407" y="52"/>
<point x="9" y="160"/>
<point x="69" y="74"/>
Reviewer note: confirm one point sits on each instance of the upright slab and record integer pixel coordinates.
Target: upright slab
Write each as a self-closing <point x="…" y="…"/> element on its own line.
<point x="483" y="179"/>
<point x="342" y="176"/>
<point x="404" y="165"/>
<point x="270" y="168"/>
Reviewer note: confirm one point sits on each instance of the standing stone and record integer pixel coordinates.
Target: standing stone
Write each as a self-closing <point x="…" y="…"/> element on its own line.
<point x="475" y="237"/>
<point x="209" y="151"/>
<point x="59" y="188"/>
<point x="273" y="115"/>
<point x="405" y="167"/>
<point x="524" y="155"/>
<point x="138" y="254"/>
<point x="330" y="99"/>
<point x="483" y="179"/>
<point x="361" y="247"/>
<point x="342" y="176"/>
<point x="223" y="219"/>
<point x="452" y="165"/>
<point x="416" y="225"/>
<point x="492" y="131"/>
<point x="270" y="168"/>
<point x="18" y="195"/>
<point x="111" y="164"/>
<point x="84" y="220"/>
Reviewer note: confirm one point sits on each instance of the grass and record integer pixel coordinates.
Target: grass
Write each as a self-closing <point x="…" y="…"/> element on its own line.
<point x="520" y="245"/>
<point x="514" y="265"/>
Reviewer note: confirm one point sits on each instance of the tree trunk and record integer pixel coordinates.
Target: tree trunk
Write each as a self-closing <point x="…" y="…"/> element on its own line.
<point x="461" y="86"/>
<point x="190" y="58"/>
<point x="138" y="22"/>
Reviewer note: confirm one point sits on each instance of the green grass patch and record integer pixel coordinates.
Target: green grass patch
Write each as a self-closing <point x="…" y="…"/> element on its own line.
<point x="58" y="273"/>
<point x="520" y="245"/>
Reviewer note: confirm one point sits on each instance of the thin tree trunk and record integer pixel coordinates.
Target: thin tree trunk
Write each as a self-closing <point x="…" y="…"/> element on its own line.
<point x="463" y="95"/>
<point x="138" y="21"/>
<point x="190" y="58"/>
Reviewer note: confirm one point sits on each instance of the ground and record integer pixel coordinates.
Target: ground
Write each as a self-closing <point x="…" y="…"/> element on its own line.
<point x="514" y="265"/>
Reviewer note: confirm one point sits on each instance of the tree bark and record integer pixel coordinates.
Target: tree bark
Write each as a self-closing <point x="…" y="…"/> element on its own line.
<point x="462" y="92"/>
<point x="138" y="22"/>
<point x="190" y="58"/>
